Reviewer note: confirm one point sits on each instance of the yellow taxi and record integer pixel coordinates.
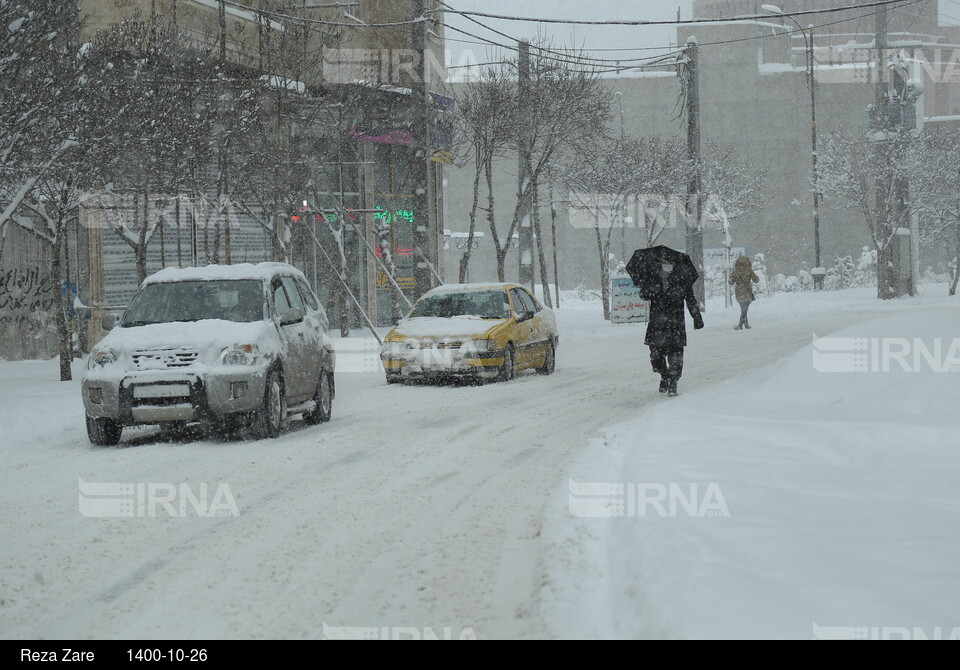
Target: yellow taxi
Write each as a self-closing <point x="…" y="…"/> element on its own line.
<point x="472" y="331"/>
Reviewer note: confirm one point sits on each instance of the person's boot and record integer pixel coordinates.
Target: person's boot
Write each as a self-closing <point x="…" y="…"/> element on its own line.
<point x="664" y="385"/>
<point x="672" y="388"/>
<point x="746" y="324"/>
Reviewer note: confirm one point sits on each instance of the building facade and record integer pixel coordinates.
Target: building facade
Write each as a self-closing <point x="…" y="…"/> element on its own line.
<point x="360" y="202"/>
<point x="755" y="100"/>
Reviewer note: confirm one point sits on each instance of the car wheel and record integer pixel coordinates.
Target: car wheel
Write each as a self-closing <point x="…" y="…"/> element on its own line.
<point x="549" y="360"/>
<point x="269" y="418"/>
<point x="323" y="398"/>
<point x="508" y="370"/>
<point x="103" y="432"/>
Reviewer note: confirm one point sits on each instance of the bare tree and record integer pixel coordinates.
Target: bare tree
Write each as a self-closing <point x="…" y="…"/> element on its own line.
<point x="570" y="112"/>
<point x="486" y="119"/>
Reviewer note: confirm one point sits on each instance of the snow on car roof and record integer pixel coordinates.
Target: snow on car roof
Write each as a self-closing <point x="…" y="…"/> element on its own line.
<point x="464" y="288"/>
<point x="214" y="272"/>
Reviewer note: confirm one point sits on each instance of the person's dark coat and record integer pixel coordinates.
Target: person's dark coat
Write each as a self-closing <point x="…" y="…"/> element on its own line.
<point x="740" y="277"/>
<point x="667" y="328"/>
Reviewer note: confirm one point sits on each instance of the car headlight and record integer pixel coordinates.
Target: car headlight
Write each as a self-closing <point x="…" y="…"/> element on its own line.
<point x="395" y="347"/>
<point x="101" y="357"/>
<point x="242" y="354"/>
<point x="481" y="346"/>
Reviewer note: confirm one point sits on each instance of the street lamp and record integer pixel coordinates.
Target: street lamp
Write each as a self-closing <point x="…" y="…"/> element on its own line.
<point x="623" y="232"/>
<point x="811" y="84"/>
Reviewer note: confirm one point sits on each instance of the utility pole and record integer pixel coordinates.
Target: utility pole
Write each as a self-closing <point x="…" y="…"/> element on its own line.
<point x="817" y="256"/>
<point x="221" y="158"/>
<point x="888" y="264"/>
<point x="694" y="233"/>
<point x="818" y="270"/>
<point x="420" y="169"/>
<point x="900" y="252"/>
<point x="525" y="245"/>
<point x="222" y="21"/>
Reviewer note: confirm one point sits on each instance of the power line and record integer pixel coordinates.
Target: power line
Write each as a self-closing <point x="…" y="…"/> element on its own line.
<point x="567" y="59"/>
<point x="539" y="48"/>
<point x="916" y="17"/>
<point x="749" y="17"/>
<point x="594" y="69"/>
<point x="787" y="31"/>
<point x="321" y="22"/>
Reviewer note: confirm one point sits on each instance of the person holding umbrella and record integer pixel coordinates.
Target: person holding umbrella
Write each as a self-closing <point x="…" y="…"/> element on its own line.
<point x="665" y="278"/>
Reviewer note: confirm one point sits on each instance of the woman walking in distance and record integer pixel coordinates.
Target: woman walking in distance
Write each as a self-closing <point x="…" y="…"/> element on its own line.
<point x="741" y="277"/>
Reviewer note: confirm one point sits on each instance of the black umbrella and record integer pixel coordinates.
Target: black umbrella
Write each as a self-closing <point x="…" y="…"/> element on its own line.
<point x="644" y="268"/>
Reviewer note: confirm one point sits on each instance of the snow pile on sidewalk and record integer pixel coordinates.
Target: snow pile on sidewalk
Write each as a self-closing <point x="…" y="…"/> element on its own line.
<point x="806" y="501"/>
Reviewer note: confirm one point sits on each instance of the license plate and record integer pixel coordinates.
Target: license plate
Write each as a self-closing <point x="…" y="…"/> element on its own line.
<point x="436" y="358"/>
<point x="161" y="391"/>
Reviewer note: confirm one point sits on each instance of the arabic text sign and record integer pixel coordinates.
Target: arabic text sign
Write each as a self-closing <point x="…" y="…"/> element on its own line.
<point x="626" y="305"/>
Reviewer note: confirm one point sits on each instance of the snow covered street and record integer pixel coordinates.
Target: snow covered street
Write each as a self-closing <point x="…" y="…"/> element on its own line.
<point x="444" y="508"/>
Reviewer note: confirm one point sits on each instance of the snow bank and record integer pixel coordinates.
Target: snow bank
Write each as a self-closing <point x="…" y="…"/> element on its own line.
<point x="842" y="493"/>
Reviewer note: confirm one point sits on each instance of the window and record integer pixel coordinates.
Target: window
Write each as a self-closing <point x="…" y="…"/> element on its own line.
<point x="293" y="293"/>
<point x="532" y="301"/>
<point x="232" y="300"/>
<point x="308" y="295"/>
<point x="483" y="304"/>
<point x="280" y="302"/>
<point x="520" y="301"/>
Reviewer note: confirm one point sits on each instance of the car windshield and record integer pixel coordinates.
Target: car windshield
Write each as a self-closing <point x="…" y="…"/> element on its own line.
<point x="484" y="304"/>
<point x="232" y="300"/>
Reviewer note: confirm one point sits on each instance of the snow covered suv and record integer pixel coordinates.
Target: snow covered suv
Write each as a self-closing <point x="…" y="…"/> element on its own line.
<point x="224" y="345"/>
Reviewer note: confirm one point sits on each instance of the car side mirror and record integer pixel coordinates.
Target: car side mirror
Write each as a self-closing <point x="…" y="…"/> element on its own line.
<point x="108" y="321"/>
<point x="524" y="316"/>
<point x="291" y="315"/>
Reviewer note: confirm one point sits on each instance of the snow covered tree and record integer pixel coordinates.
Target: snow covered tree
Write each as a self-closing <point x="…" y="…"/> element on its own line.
<point x="36" y="89"/>
<point x="161" y="88"/>
<point x="82" y="127"/>
<point x="939" y="182"/>
<point x="600" y="183"/>
<point x="734" y="186"/>
<point x="662" y="172"/>
<point x="858" y="172"/>
<point x="841" y="275"/>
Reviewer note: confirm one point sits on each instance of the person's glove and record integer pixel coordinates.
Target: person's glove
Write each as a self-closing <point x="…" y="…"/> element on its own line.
<point x="698" y="322"/>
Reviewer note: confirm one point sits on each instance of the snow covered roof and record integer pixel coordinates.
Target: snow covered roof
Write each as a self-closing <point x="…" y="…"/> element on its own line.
<point x="214" y="272"/>
<point x="465" y="288"/>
